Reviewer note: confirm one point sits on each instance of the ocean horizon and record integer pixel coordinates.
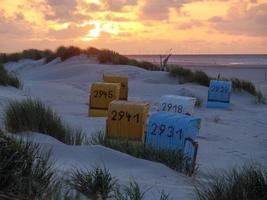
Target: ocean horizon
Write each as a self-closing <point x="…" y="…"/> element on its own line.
<point x="209" y="59"/>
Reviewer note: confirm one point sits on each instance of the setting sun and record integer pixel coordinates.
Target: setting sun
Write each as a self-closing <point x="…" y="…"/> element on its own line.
<point x="143" y="26"/>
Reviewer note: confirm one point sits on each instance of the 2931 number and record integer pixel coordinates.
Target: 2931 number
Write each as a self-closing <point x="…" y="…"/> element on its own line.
<point x="162" y="129"/>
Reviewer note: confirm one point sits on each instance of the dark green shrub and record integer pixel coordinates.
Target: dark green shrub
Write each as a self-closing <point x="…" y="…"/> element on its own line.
<point x="106" y="56"/>
<point x="33" y="54"/>
<point x="23" y="172"/>
<point x="33" y="115"/>
<point x="95" y="184"/>
<point x="91" y="51"/>
<point x="244" y="183"/>
<point x="14" y="57"/>
<point x="67" y="52"/>
<point x="3" y="58"/>
<point x="49" y="55"/>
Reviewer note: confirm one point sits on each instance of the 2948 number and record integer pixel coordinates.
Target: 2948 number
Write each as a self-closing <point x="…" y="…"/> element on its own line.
<point x="103" y="94"/>
<point x="163" y="129"/>
<point x="119" y="115"/>
<point x="168" y="107"/>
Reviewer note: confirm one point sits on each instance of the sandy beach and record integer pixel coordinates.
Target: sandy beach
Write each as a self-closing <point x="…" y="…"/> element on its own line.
<point x="237" y="137"/>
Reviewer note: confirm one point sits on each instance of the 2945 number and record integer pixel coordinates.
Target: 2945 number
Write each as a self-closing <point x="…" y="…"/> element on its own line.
<point x="175" y="107"/>
<point x="119" y="115"/>
<point x="161" y="129"/>
<point x="103" y="94"/>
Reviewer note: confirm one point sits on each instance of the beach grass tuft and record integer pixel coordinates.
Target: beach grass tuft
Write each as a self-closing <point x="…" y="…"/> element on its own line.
<point x="187" y="75"/>
<point x="130" y="192"/>
<point x="24" y="173"/>
<point x="247" y="182"/>
<point x="174" y="159"/>
<point x="67" y="52"/>
<point x="9" y="78"/>
<point x="33" y="115"/>
<point x="165" y="196"/>
<point x="97" y="183"/>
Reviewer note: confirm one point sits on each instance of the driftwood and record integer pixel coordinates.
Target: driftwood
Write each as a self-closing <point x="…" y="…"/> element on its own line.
<point x="164" y="61"/>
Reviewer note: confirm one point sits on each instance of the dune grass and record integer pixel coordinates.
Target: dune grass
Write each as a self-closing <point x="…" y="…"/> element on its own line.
<point x="33" y="115"/>
<point x="244" y="183"/>
<point x="9" y="78"/>
<point x="102" y="55"/>
<point x="94" y="184"/>
<point x="111" y="57"/>
<point x="129" y="192"/>
<point x="249" y="87"/>
<point x="176" y="160"/>
<point x="24" y="174"/>
<point x="187" y="76"/>
<point x="98" y="183"/>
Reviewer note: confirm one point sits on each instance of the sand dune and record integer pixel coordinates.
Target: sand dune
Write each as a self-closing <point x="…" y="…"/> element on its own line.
<point x="239" y="136"/>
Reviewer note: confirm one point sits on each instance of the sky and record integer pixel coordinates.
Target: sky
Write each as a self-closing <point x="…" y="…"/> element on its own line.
<point x="136" y="26"/>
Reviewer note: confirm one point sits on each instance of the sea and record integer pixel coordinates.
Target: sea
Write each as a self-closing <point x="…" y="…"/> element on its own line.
<point x="209" y="60"/>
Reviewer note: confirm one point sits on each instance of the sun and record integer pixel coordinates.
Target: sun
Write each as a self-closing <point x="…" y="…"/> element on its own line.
<point x="101" y="26"/>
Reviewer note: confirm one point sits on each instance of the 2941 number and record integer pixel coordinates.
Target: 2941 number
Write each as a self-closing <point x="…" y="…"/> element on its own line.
<point x="119" y="115"/>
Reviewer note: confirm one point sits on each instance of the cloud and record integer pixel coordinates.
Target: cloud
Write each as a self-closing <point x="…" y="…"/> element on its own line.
<point x="118" y="5"/>
<point x="64" y="11"/>
<point x="14" y="26"/>
<point x="107" y="5"/>
<point x="190" y="24"/>
<point x="71" y="32"/>
<point x="247" y="21"/>
<point x="159" y="9"/>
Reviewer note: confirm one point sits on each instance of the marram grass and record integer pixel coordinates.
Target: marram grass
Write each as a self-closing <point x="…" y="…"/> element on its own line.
<point x="33" y="115"/>
<point x="244" y="183"/>
<point x="187" y="76"/>
<point x="9" y="79"/>
<point x="99" y="184"/>
<point x="176" y="160"/>
<point x="24" y="172"/>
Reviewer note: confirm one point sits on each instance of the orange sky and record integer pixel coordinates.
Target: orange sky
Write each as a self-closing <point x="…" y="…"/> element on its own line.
<point x="136" y="26"/>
